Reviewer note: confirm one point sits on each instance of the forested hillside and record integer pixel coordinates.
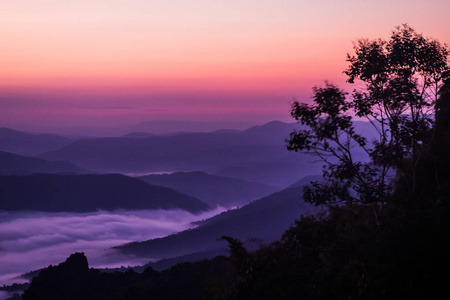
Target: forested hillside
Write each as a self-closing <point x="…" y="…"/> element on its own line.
<point x="85" y="193"/>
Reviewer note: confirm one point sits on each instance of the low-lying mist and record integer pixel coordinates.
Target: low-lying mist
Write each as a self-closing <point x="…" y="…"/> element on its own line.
<point x="33" y="240"/>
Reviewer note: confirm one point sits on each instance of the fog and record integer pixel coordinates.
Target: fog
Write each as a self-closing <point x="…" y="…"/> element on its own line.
<point x="33" y="240"/>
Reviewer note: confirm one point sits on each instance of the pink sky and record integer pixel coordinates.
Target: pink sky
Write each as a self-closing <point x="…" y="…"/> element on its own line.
<point x="98" y="63"/>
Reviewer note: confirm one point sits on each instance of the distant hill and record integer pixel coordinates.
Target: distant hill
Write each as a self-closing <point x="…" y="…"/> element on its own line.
<point x="307" y="180"/>
<point x="30" y="144"/>
<point x="164" y="126"/>
<point x="138" y="135"/>
<point x="257" y="154"/>
<point x="84" y="193"/>
<point x="279" y="172"/>
<point x="13" y="164"/>
<point x="272" y="133"/>
<point x="266" y="218"/>
<point x="209" y="152"/>
<point x="214" y="190"/>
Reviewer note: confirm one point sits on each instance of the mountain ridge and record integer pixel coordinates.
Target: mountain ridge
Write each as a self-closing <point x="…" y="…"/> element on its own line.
<point x="266" y="218"/>
<point x="87" y="193"/>
<point x="214" y="190"/>
<point x="28" y="144"/>
<point x="14" y="164"/>
<point x="208" y="152"/>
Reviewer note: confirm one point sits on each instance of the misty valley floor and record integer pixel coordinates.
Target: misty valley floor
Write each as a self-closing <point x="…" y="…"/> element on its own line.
<point x="34" y="240"/>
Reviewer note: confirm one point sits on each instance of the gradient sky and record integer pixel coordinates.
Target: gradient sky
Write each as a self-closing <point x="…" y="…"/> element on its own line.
<point x="101" y="63"/>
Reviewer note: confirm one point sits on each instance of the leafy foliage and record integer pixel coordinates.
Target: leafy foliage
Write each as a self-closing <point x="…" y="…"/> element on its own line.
<point x="348" y="255"/>
<point x="331" y="136"/>
<point x="401" y="79"/>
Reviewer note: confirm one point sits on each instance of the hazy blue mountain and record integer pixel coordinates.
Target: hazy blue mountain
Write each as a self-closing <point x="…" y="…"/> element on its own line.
<point x="159" y="153"/>
<point x="83" y="193"/>
<point x="30" y="144"/>
<point x="280" y="172"/>
<point x="257" y="154"/>
<point x="272" y="133"/>
<point x="214" y="190"/>
<point x="138" y="135"/>
<point x="307" y="180"/>
<point x="209" y="152"/>
<point x="164" y="127"/>
<point x="266" y="218"/>
<point x="13" y="164"/>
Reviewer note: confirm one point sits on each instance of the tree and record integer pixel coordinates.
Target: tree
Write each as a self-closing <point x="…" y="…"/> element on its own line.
<point x="401" y="81"/>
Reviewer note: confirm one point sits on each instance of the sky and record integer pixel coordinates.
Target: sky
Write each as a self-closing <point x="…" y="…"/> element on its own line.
<point x="117" y="62"/>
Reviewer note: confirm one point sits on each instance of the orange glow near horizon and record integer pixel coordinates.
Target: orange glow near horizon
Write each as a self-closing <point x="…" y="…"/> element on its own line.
<point x="241" y="50"/>
<point x="224" y="62"/>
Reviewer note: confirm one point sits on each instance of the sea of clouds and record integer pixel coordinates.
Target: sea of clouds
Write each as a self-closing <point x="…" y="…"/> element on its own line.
<point x="33" y="240"/>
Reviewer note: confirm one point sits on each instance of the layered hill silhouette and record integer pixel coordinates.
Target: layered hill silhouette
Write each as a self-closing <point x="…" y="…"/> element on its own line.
<point x="170" y="127"/>
<point x="278" y="172"/>
<point x="209" y="152"/>
<point x="264" y="219"/>
<point x="13" y="164"/>
<point x="138" y="135"/>
<point x="84" y="193"/>
<point x="214" y="190"/>
<point x="30" y="144"/>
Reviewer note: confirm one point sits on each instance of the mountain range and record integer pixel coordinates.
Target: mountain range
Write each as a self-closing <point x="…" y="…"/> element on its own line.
<point x="85" y="193"/>
<point x="28" y="144"/>
<point x="13" y="164"/>
<point x="222" y="153"/>
<point x="214" y="190"/>
<point x="264" y="219"/>
<point x="166" y="127"/>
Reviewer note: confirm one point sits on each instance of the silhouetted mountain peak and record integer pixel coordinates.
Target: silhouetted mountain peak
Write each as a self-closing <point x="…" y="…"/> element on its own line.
<point x="76" y="262"/>
<point x="274" y="123"/>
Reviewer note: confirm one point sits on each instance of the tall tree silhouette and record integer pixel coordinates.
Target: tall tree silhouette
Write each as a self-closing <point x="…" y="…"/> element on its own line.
<point x="401" y="79"/>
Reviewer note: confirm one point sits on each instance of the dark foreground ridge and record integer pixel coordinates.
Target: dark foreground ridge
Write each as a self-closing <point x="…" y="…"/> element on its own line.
<point x="74" y="280"/>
